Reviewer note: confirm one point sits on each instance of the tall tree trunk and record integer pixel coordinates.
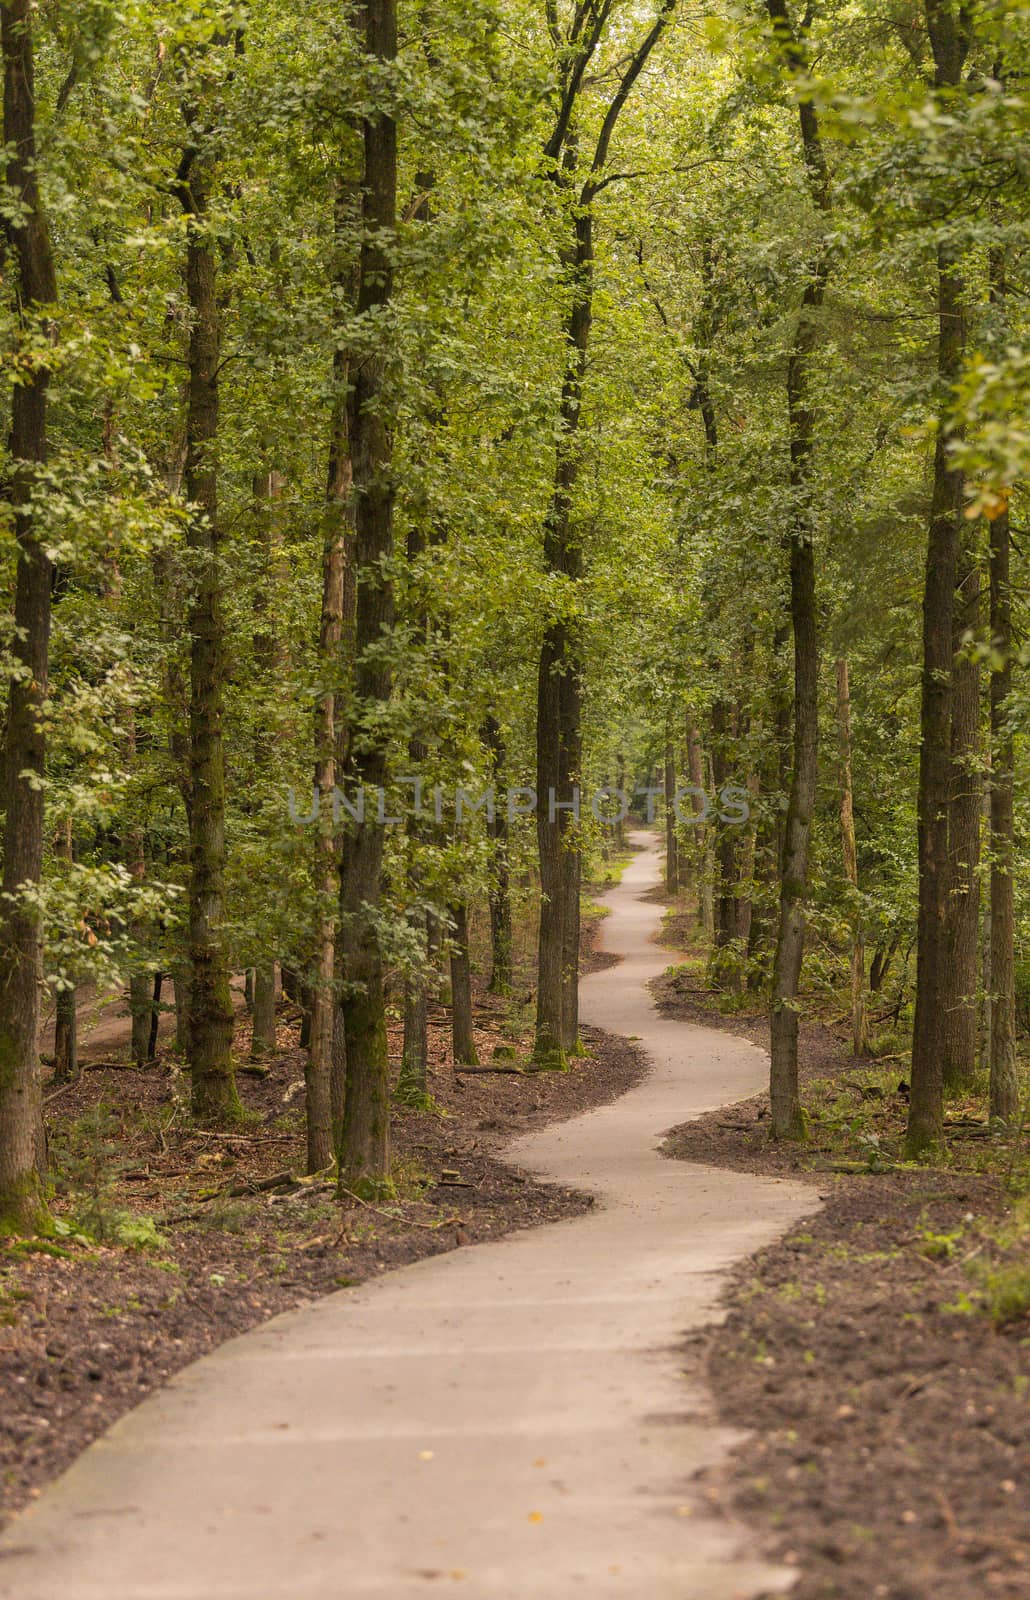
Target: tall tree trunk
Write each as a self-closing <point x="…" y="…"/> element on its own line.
<point x="672" y="869"/>
<point x="859" y="1030"/>
<point x="413" y="1084"/>
<point x="262" y="1021"/>
<point x="364" y="1147"/>
<point x="22" y="1146"/>
<point x="787" y="1121"/>
<point x="935" y="987"/>
<point x="141" y="982"/>
<point x="335" y="648"/>
<point x="463" y="1039"/>
<point x="66" y="1037"/>
<point x="571" y="759"/>
<point x="1004" y="1080"/>
<point x="705" y="895"/>
<point x="66" y="1053"/>
<point x="318" y="1069"/>
<point x="769" y="833"/>
<point x="211" y="1012"/>
<point x="547" y="1049"/>
<point x="959" y="1060"/>
<point x="500" y="866"/>
<point x="155" y="1015"/>
<point x="725" y="966"/>
<point x="559" y="690"/>
<point x="559" y="735"/>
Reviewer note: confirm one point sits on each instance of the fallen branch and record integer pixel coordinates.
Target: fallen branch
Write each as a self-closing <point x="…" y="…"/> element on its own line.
<point x="472" y="1072"/>
<point x="245" y="1138"/>
<point x="398" y="1216"/>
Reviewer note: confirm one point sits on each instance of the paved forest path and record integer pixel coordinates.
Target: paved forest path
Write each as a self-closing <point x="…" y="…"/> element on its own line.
<point x="508" y="1422"/>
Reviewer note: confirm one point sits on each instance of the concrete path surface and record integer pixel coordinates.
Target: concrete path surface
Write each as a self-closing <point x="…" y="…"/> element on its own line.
<point x="508" y="1421"/>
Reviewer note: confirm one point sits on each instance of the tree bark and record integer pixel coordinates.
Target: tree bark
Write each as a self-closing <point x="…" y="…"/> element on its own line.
<point x="500" y="877"/>
<point x="155" y="1015"/>
<point x="672" y="869"/>
<point x="23" y="1206"/>
<point x="935" y="987"/>
<point x="725" y="966"/>
<point x="463" y="1039"/>
<point x="211" y="1013"/>
<point x="330" y="736"/>
<point x="959" y="1060"/>
<point x="705" y="896"/>
<point x="364" y="1146"/>
<point x="859" y="1027"/>
<point x="66" y="1055"/>
<point x="1004" y="1080"/>
<point x="787" y="1120"/>
<point x="262" y="1022"/>
<point x="413" y="1084"/>
<point x="559" y="700"/>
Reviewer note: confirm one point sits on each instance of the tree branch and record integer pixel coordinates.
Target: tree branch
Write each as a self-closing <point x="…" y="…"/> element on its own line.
<point x="621" y="95"/>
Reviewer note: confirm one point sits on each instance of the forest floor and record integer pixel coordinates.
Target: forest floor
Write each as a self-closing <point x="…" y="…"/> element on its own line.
<point x="879" y="1354"/>
<point x="173" y="1239"/>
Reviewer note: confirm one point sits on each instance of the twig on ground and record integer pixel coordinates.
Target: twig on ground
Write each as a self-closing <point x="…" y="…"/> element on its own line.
<point x="398" y="1216"/>
<point x="246" y="1138"/>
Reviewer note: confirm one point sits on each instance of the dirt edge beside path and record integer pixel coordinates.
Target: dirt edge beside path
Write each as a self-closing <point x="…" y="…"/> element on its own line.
<point x="887" y="1410"/>
<point x="226" y="1236"/>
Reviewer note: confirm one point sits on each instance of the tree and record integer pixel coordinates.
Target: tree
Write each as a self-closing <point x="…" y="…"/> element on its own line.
<point x="559" y="679"/>
<point x="786" y="1120"/>
<point x="211" y="1009"/>
<point x="364" y="1144"/>
<point x="935" y="986"/>
<point x="22" y="1157"/>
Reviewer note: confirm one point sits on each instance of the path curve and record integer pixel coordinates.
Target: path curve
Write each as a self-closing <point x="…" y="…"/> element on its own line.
<point x="508" y="1422"/>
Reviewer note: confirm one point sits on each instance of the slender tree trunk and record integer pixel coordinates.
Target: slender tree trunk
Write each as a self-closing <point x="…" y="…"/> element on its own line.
<point x="211" y="1012"/>
<point x="959" y="1059"/>
<point x="570" y="712"/>
<point x="414" y="1078"/>
<point x="559" y="690"/>
<point x="155" y="1016"/>
<point x="1004" y="1081"/>
<point x="141" y="981"/>
<point x="500" y="877"/>
<point x="335" y="645"/>
<point x="620" y="782"/>
<point x="547" y="1050"/>
<point x="672" y="869"/>
<point x="769" y="834"/>
<point x="66" y="1045"/>
<point x="262" y="1022"/>
<point x="725" y="967"/>
<point x="141" y="1002"/>
<point x="463" y="1039"/>
<point x="364" y="1148"/>
<point x="22" y="1145"/>
<point x="787" y="1120"/>
<point x="934" y="978"/>
<point x="66" y="1057"/>
<point x="859" y="1028"/>
<point x="705" y="896"/>
<point x="318" y="1071"/>
<point x="935" y="987"/>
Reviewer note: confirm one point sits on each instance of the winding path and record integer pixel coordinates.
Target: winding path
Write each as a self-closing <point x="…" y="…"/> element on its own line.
<point x="508" y="1422"/>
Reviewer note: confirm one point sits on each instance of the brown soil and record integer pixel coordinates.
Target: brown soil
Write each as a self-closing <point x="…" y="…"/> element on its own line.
<point x="88" y="1329"/>
<point x="887" y="1413"/>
